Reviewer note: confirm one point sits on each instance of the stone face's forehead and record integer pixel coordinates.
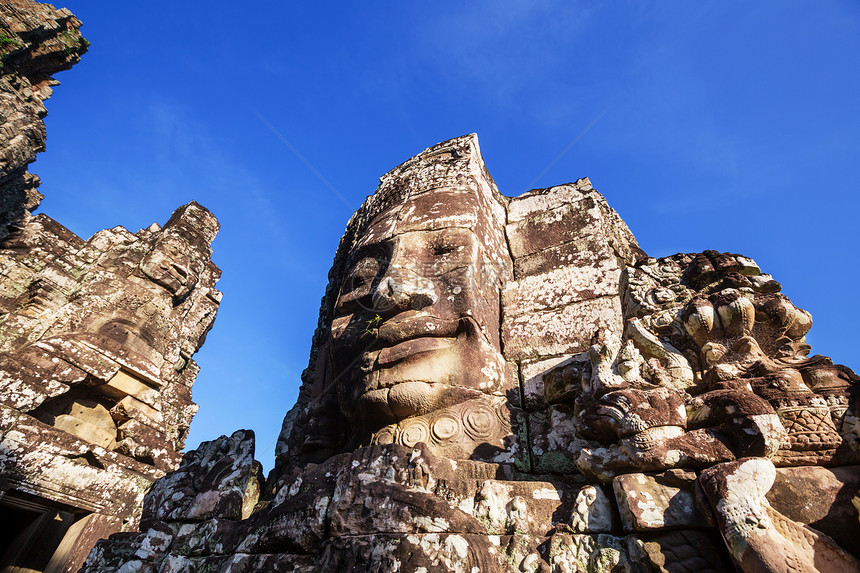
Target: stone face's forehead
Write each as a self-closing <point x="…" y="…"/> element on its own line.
<point x="429" y="211"/>
<point x="445" y="186"/>
<point x="193" y="219"/>
<point x="448" y="164"/>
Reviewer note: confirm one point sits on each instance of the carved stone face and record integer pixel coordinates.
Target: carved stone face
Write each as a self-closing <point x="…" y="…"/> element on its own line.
<point x="415" y="325"/>
<point x="170" y="264"/>
<point x="408" y="347"/>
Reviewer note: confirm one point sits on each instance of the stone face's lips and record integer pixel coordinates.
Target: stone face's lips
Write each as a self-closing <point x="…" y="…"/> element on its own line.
<point x="404" y="327"/>
<point x="410" y="325"/>
<point x="412" y="347"/>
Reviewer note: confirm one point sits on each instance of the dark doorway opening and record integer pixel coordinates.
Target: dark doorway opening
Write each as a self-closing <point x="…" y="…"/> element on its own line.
<point x="31" y="532"/>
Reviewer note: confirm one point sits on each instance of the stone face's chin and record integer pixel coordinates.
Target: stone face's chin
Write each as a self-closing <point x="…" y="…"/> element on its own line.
<point x="408" y="399"/>
<point x="377" y="408"/>
<point x="411" y="398"/>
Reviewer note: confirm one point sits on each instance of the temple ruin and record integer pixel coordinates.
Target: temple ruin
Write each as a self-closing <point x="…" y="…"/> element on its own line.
<point x="496" y="384"/>
<point x="512" y="384"/>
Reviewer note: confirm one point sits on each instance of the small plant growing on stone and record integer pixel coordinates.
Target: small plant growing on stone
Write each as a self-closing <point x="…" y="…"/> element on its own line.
<point x="372" y="323"/>
<point x="7" y="40"/>
<point x="73" y="41"/>
<point x="7" y="43"/>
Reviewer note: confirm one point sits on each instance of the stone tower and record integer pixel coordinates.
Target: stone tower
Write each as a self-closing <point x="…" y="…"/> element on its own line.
<point x="96" y="335"/>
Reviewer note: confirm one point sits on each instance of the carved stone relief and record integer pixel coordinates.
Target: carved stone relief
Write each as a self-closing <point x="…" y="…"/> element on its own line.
<point x="96" y="339"/>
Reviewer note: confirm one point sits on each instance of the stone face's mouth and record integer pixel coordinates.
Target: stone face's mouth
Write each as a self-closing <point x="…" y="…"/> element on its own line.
<point x="410" y="325"/>
<point x="396" y="338"/>
<point x="415" y="363"/>
<point x="409" y="348"/>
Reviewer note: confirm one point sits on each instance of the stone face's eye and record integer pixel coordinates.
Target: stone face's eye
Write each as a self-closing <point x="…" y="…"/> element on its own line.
<point x="358" y="284"/>
<point x="441" y="249"/>
<point x="362" y="273"/>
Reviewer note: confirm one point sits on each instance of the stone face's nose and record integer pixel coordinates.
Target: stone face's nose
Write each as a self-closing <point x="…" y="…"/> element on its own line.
<point x="401" y="290"/>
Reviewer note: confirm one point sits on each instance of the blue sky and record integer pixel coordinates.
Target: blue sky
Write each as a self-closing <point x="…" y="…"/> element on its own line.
<point x="708" y="125"/>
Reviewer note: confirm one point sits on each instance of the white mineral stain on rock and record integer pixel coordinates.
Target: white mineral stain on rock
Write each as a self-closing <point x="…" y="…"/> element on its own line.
<point x="650" y="513"/>
<point x="433" y="524"/>
<point x="294" y="489"/>
<point x="131" y="567"/>
<point x="322" y="506"/>
<point x="459" y="545"/>
<point x="546" y="493"/>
